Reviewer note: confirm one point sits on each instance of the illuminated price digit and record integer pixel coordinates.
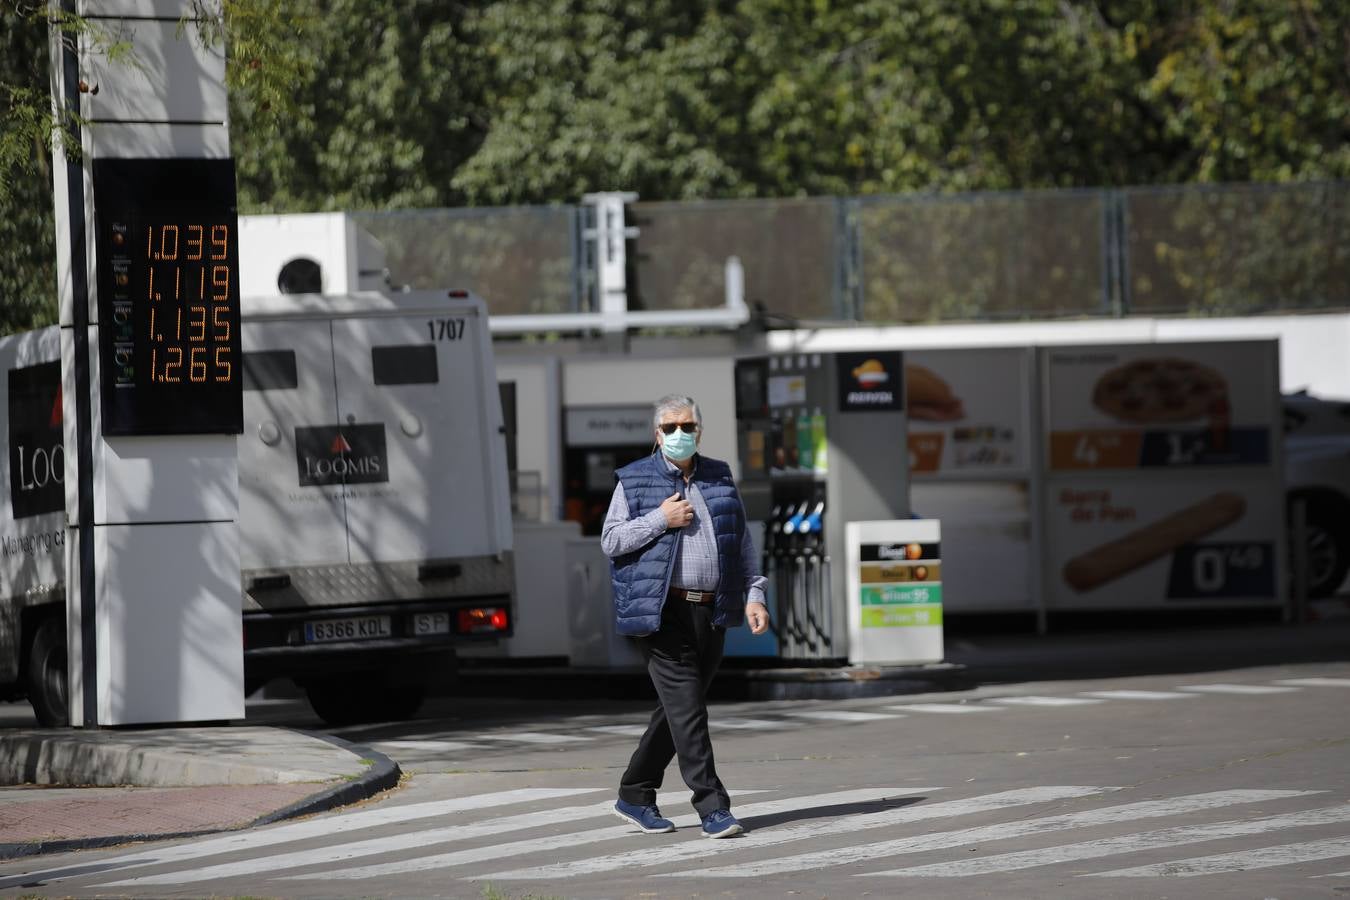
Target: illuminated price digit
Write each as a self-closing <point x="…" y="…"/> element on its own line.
<point x="168" y="250"/>
<point x="220" y="317"/>
<point x="223" y="368"/>
<point x="195" y="242"/>
<point x="197" y="367"/>
<point x="194" y="324"/>
<point x="176" y="363"/>
<point x="220" y="282"/>
<point x="220" y="241"/>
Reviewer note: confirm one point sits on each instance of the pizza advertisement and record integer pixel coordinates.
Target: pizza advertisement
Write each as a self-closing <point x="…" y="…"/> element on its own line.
<point x="1161" y="405"/>
<point x="1162" y="543"/>
<point x="968" y="412"/>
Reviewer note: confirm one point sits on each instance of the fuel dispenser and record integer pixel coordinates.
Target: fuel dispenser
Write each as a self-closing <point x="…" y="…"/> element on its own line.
<point x="817" y="439"/>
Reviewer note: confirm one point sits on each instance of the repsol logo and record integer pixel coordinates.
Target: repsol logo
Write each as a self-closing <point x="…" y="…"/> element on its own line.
<point x="37" y="458"/>
<point x="870" y="382"/>
<point x="341" y="454"/>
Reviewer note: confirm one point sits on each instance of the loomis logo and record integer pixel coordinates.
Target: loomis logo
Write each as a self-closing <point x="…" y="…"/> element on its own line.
<point x="37" y="459"/>
<point x="870" y="381"/>
<point x="341" y="454"/>
<point x="871" y="374"/>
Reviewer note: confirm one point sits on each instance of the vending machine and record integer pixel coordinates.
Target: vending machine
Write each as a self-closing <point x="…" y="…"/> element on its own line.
<point x="818" y="438"/>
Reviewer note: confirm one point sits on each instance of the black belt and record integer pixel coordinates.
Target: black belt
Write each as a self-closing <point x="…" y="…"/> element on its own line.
<point x="692" y="596"/>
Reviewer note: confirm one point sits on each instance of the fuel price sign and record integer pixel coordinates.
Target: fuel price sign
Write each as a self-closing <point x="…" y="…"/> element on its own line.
<point x="168" y="296"/>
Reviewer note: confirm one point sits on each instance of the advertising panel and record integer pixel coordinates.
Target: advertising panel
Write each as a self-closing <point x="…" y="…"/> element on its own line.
<point x="1117" y="544"/>
<point x="1163" y="487"/>
<point x="1161" y="406"/>
<point x="987" y="549"/>
<point x="968" y="412"/>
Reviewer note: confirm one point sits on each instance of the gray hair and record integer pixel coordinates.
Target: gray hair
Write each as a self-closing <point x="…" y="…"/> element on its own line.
<point x="674" y="403"/>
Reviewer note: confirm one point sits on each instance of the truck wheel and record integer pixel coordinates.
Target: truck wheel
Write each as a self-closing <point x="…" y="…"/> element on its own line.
<point x="360" y="699"/>
<point x="1328" y="548"/>
<point x="48" y="685"/>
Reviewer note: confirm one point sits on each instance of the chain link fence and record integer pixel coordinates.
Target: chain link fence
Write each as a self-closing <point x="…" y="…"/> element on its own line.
<point x="520" y="259"/>
<point x="1237" y="250"/>
<point x="1186" y="250"/>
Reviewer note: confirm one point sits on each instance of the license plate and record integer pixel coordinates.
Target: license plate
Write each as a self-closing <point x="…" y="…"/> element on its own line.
<point x="431" y="623"/>
<point x="358" y="628"/>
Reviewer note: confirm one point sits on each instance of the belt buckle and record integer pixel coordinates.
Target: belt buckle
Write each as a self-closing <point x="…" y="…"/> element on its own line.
<point x="695" y="596"/>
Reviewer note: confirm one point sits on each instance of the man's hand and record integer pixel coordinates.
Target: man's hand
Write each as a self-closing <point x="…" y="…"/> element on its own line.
<point x="757" y="617"/>
<point x="678" y="512"/>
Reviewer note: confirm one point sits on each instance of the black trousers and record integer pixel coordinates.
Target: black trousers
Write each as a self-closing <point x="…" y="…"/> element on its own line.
<point x="682" y="658"/>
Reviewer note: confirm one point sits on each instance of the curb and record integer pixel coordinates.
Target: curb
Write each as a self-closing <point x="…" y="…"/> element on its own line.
<point x="382" y="775"/>
<point x="854" y="682"/>
<point x="731" y="684"/>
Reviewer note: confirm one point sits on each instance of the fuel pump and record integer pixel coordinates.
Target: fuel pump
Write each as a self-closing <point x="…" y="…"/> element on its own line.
<point x="817" y="437"/>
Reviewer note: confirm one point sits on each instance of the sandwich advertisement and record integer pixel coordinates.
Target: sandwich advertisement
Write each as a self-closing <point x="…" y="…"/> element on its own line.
<point x="967" y="411"/>
<point x="1117" y="544"/>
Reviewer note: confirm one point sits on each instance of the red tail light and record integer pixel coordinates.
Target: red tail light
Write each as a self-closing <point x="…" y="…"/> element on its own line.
<point x="482" y="620"/>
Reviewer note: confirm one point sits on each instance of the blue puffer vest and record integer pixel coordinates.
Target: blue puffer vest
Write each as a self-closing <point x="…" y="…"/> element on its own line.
<point x="642" y="578"/>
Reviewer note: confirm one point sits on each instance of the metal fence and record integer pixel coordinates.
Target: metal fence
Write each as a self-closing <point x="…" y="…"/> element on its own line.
<point x="1191" y="250"/>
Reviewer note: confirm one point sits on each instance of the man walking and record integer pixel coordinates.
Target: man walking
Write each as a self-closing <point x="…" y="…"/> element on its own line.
<point x="684" y="570"/>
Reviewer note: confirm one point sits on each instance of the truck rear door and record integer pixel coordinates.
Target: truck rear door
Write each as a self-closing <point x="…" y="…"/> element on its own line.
<point x="427" y="445"/>
<point x="290" y="495"/>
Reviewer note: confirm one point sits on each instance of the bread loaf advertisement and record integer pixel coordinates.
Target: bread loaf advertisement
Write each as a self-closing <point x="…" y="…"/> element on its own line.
<point x="1160" y="405"/>
<point x="1114" y="544"/>
<point x="968" y="411"/>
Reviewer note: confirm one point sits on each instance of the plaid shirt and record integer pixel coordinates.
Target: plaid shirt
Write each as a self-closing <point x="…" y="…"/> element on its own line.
<point x="696" y="566"/>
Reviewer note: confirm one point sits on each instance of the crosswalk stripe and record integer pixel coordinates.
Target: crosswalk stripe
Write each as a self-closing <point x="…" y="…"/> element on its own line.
<point x="1315" y="682"/>
<point x="386" y="844"/>
<point x="326" y="826"/>
<point x="1137" y="695"/>
<point x="431" y="746"/>
<point x="626" y="730"/>
<point x="1238" y="861"/>
<point x="532" y="737"/>
<point x="749" y="724"/>
<point x="1046" y="701"/>
<point x="577" y="839"/>
<point x="698" y="850"/>
<point x="841" y="715"/>
<point x="1245" y="689"/>
<point x="954" y="708"/>
<point x="1147" y="809"/>
<point x="1129" y="843"/>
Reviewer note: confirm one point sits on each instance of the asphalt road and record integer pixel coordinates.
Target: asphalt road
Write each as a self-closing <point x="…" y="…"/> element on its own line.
<point x="1217" y="784"/>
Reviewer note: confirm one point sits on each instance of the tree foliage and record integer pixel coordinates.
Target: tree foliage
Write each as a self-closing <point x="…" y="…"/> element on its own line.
<point x="360" y="104"/>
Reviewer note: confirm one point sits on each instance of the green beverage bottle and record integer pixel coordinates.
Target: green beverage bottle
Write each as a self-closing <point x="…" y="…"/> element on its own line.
<point x="806" y="442"/>
<point x="819" y="457"/>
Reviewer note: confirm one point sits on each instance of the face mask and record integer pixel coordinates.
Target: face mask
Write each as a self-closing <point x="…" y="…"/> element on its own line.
<point x="678" y="446"/>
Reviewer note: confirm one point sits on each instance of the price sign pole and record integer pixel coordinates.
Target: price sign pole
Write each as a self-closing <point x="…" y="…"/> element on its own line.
<point x="147" y="238"/>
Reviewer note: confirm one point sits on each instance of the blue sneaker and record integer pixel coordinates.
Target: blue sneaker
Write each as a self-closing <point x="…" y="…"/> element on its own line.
<point x="720" y="823"/>
<point x="648" y="819"/>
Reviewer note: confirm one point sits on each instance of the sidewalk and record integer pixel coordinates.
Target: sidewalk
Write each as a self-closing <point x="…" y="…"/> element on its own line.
<point x="71" y="789"/>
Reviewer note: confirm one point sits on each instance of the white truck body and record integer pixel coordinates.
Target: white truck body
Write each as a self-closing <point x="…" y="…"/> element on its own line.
<point x="375" y="519"/>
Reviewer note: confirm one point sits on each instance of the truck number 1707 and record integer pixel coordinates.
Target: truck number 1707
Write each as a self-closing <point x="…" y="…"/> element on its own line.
<point x="446" y="329"/>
